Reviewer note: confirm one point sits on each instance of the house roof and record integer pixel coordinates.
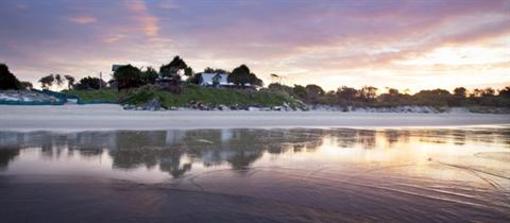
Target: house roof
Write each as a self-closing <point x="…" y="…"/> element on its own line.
<point x="207" y="79"/>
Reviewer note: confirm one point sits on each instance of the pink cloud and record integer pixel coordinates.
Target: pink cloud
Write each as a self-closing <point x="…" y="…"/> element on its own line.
<point x="149" y="23"/>
<point x="83" y="19"/>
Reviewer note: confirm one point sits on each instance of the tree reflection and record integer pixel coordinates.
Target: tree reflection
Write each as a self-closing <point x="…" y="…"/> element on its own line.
<point x="175" y="151"/>
<point x="6" y="156"/>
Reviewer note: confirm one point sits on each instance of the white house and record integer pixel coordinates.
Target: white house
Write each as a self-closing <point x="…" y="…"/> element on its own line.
<point x="214" y="79"/>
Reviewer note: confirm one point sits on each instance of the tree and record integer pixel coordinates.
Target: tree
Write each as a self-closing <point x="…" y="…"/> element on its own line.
<point x="90" y="83"/>
<point x="209" y="70"/>
<point x="7" y="79"/>
<point x="188" y="72"/>
<point x="47" y="81"/>
<point x="149" y="76"/>
<point x="300" y="91"/>
<point x="505" y="92"/>
<point x="346" y="95"/>
<point x="58" y="79"/>
<point x="255" y="81"/>
<point x="128" y="76"/>
<point x="392" y="98"/>
<point x="314" y="92"/>
<point x="459" y="96"/>
<point x="488" y="92"/>
<point x="172" y="69"/>
<point x="460" y="92"/>
<point x="368" y="93"/>
<point x="281" y="88"/>
<point x="215" y="70"/>
<point x="241" y="76"/>
<point x="476" y="93"/>
<point x="70" y="81"/>
<point x="26" y="85"/>
<point x="437" y="97"/>
<point x="393" y="92"/>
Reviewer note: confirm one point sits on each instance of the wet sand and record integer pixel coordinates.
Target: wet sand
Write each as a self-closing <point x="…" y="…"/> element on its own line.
<point x="68" y="199"/>
<point x="256" y="175"/>
<point x="112" y="117"/>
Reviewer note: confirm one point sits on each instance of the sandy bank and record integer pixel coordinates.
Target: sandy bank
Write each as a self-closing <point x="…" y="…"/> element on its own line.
<point x="112" y="117"/>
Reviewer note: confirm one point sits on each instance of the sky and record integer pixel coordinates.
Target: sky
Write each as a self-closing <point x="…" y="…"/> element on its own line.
<point x="406" y="44"/>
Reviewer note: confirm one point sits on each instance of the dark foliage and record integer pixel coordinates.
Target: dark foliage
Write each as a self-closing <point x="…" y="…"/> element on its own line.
<point x="299" y="91"/>
<point x="314" y="93"/>
<point x="188" y="72"/>
<point x="505" y="92"/>
<point x="215" y="70"/>
<point x="172" y="69"/>
<point x="70" y="81"/>
<point x="47" y="81"/>
<point x="241" y="76"/>
<point x="367" y="96"/>
<point x="128" y="76"/>
<point x="7" y="79"/>
<point x="26" y="85"/>
<point x="149" y="76"/>
<point x="90" y="83"/>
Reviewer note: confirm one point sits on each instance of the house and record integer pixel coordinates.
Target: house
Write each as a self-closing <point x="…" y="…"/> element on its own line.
<point x="214" y="80"/>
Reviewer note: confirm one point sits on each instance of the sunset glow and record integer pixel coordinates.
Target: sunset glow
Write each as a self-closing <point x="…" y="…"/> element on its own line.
<point x="402" y="44"/>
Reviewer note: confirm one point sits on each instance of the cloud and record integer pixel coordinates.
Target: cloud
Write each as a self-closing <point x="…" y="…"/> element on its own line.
<point x="168" y="5"/>
<point x="83" y="19"/>
<point x="149" y="23"/>
<point x="328" y="42"/>
<point x="114" y="38"/>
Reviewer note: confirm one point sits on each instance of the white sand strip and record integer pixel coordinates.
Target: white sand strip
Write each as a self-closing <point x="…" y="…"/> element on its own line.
<point x="113" y="117"/>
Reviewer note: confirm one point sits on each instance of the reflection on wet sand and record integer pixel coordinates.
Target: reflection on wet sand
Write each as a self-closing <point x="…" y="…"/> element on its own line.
<point x="237" y="147"/>
<point x="166" y="149"/>
<point x="299" y="175"/>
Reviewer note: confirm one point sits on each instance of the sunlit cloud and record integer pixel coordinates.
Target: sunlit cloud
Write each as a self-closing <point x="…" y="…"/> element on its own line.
<point x="83" y="19"/>
<point x="114" y="38"/>
<point x="148" y="22"/>
<point x="402" y="44"/>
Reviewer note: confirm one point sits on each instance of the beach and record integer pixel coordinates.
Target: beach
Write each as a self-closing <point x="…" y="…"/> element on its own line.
<point x="113" y="117"/>
<point x="256" y="175"/>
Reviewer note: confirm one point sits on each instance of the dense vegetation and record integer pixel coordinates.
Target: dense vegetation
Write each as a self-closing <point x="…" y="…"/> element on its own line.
<point x="367" y="96"/>
<point x="190" y="93"/>
<point x="208" y="96"/>
<point x="7" y="79"/>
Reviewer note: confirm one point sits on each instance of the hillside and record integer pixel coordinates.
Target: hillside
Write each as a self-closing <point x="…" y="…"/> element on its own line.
<point x="189" y="96"/>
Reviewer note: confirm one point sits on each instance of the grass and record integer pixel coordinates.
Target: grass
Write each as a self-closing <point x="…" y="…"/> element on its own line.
<point x="208" y="96"/>
<point x="95" y="96"/>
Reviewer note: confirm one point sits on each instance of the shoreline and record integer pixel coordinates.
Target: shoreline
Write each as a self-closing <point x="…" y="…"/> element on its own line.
<point x="113" y="117"/>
